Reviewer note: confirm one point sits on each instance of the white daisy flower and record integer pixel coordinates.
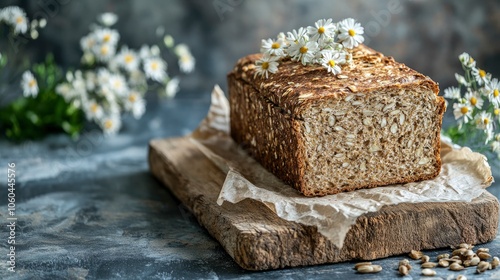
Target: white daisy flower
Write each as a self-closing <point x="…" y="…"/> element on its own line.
<point x="461" y="110"/>
<point x="66" y="91"/>
<point x="467" y="60"/>
<point x="484" y="120"/>
<point x="180" y="50"/>
<point x="128" y="59"/>
<point x="145" y="52"/>
<point x="104" y="52"/>
<point x="107" y="19"/>
<point x="155" y="69"/>
<point x="481" y="76"/>
<point x="15" y="17"/>
<point x="474" y="99"/>
<point x="88" y="42"/>
<point x="29" y="84"/>
<point x="295" y="36"/>
<point x="350" y="33"/>
<point x="461" y="80"/>
<point x="103" y="76"/>
<point x="303" y="51"/>
<point x="172" y="87"/>
<point x="106" y="36"/>
<point x="107" y="93"/>
<point x="135" y="104"/>
<point x="118" y="84"/>
<point x="111" y="124"/>
<point x="90" y="80"/>
<point x="93" y="111"/>
<point x="322" y="29"/>
<point x="267" y="64"/>
<point x="186" y="63"/>
<point x="273" y="47"/>
<point x="331" y="61"/>
<point x="493" y="91"/>
<point x="452" y="93"/>
<point x="495" y="147"/>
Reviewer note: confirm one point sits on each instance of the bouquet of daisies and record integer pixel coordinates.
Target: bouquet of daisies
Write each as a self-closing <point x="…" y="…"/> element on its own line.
<point x="118" y="77"/>
<point x="326" y="43"/>
<point x="476" y="107"/>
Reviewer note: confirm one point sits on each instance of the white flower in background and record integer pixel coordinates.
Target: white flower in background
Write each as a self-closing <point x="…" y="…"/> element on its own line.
<point x="322" y="29"/>
<point x="187" y="63"/>
<point x="87" y="43"/>
<point x="118" y="84"/>
<point x="155" y="69"/>
<point x="128" y="59"/>
<point x="135" y="104"/>
<point x="303" y="51"/>
<point x="461" y="80"/>
<point x="350" y="33"/>
<point x="462" y="111"/>
<point x="107" y="19"/>
<point x="452" y="93"/>
<point x="169" y="41"/>
<point x="484" y="121"/>
<point x="467" y="60"/>
<point x="495" y="147"/>
<point x="331" y="61"/>
<point x="106" y="36"/>
<point x="66" y="91"/>
<point x="172" y="87"/>
<point x="273" y="47"/>
<point x="93" y="111"/>
<point x="474" y="99"/>
<point x="90" y="80"/>
<point x="104" y="52"/>
<point x="493" y="91"/>
<point x="297" y="36"/>
<point x="29" y="84"/>
<point x="15" y="17"/>
<point x="267" y="64"/>
<point x="103" y="76"/>
<point x="111" y="124"/>
<point x="480" y="76"/>
<point x="180" y="50"/>
<point x="137" y="78"/>
<point x="145" y="52"/>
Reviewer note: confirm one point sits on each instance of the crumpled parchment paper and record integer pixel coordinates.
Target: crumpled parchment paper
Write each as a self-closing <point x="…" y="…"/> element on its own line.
<point x="464" y="176"/>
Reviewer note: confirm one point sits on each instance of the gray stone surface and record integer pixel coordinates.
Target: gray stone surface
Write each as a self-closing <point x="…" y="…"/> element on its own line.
<point x="90" y="209"/>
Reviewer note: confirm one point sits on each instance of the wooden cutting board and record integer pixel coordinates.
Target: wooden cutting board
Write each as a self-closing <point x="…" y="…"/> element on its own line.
<point x="257" y="239"/>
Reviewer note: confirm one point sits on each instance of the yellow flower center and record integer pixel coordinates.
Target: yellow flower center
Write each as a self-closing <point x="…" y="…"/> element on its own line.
<point x="482" y="73"/>
<point x="19" y="20"/>
<point x="321" y="30"/>
<point x="117" y="84"/>
<point x="106" y="38"/>
<point x="129" y="58"/>
<point x="265" y="65"/>
<point x="496" y="112"/>
<point x="496" y="93"/>
<point x="471" y="60"/>
<point x="352" y="32"/>
<point x="132" y="98"/>
<point x="154" y="66"/>
<point x="464" y="110"/>
<point x="486" y="121"/>
<point x="93" y="108"/>
<point x="104" y="50"/>
<point x="473" y="101"/>
<point x="275" y="45"/>
<point x="331" y="63"/>
<point x="108" y="124"/>
<point x="303" y="50"/>
<point x="32" y="83"/>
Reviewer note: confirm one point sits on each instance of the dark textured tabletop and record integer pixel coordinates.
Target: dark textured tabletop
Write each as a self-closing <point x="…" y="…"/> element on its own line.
<point x="90" y="209"/>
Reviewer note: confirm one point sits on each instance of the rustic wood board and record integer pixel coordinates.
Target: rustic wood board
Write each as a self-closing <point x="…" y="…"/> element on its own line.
<point x="257" y="239"/>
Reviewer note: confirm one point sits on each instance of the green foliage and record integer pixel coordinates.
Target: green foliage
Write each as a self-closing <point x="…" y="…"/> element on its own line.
<point x="48" y="112"/>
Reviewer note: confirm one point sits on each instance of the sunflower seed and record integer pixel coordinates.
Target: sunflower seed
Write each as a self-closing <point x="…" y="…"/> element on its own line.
<point x="495" y="262"/>
<point x="361" y="264"/>
<point x="415" y="254"/>
<point x="428" y="272"/>
<point x="443" y="263"/>
<point x="461" y="277"/>
<point x="424" y="259"/>
<point x="443" y="256"/>
<point x="482" y="267"/>
<point x="483" y="255"/>
<point x="429" y="265"/>
<point x="486" y="250"/>
<point x="456" y="267"/>
<point x="475" y="261"/>
<point x="403" y="270"/>
<point x="404" y="262"/>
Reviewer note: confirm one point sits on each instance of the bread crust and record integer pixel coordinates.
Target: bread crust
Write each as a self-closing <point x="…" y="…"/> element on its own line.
<point x="266" y="114"/>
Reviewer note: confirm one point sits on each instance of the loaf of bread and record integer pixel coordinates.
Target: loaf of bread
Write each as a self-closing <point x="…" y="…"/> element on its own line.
<point x="376" y="123"/>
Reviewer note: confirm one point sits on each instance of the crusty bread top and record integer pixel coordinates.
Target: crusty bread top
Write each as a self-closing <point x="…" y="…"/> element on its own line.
<point x="294" y="84"/>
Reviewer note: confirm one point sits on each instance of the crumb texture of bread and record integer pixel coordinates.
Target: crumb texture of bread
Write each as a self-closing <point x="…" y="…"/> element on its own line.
<point x="376" y="123"/>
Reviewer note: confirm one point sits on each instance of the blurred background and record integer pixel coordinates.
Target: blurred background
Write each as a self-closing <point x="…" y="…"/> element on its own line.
<point x="426" y="35"/>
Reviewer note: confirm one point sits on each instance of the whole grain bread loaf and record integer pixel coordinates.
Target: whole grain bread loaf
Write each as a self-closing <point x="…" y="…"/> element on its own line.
<point x="377" y="123"/>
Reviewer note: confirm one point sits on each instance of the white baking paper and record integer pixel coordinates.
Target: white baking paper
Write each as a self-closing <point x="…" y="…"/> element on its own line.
<point x="464" y="176"/>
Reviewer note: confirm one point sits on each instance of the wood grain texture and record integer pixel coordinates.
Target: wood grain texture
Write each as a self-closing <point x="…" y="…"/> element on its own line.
<point x="257" y="239"/>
